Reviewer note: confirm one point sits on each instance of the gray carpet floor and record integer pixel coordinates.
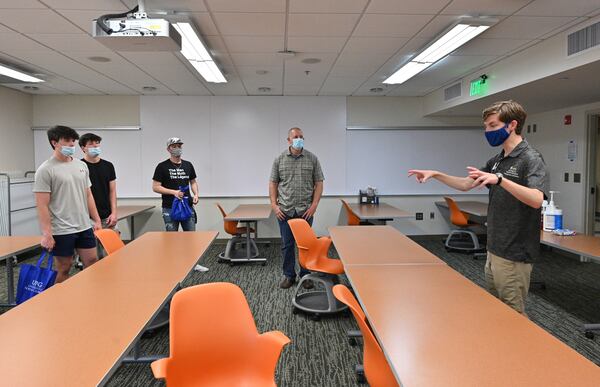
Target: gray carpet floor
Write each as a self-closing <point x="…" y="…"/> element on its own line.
<point x="320" y="355"/>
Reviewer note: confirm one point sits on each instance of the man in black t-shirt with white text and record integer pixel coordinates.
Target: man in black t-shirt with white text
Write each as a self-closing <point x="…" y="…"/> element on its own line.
<point x="169" y="176"/>
<point x="103" y="178"/>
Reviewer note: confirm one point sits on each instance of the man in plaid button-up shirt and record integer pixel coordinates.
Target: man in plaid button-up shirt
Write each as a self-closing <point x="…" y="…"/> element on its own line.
<point x="295" y="188"/>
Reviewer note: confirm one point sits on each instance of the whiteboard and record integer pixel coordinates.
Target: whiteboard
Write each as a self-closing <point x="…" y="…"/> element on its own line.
<point x="382" y="158"/>
<point x="122" y="147"/>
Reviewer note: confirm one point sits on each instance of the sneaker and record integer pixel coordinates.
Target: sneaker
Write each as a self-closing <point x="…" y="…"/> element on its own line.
<point x="308" y="284"/>
<point x="287" y="282"/>
<point x="200" y="268"/>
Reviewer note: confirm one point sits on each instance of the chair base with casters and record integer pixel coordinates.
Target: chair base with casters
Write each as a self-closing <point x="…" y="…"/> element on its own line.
<point x="589" y="330"/>
<point x="359" y="370"/>
<point x="462" y="240"/>
<point x="318" y="302"/>
<point x="233" y="252"/>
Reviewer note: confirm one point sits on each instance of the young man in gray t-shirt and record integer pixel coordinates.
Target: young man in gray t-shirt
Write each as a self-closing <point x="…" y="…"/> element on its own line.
<point x="65" y="203"/>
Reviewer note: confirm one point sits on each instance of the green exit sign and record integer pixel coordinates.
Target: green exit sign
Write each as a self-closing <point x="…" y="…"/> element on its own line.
<point x="478" y="86"/>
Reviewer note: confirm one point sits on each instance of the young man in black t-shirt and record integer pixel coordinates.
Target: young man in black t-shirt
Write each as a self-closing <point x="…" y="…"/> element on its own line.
<point x="103" y="178"/>
<point x="169" y="176"/>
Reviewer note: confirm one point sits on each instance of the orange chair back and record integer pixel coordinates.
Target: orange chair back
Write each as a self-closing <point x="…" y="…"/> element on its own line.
<point x="377" y="369"/>
<point x="353" y="220"/>
<point x="457" y="217"/>
<point x="229" y="225"/>
<point x="110" y="239"/>
<point x="214" y="341"/>
<point x="309" y="247"/>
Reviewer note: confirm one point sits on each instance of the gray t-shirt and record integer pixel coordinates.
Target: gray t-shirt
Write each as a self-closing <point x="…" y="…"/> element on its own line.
<point x="513" y="226"/>
<point x="67" y="183"/>
<point x="296" y="176"/>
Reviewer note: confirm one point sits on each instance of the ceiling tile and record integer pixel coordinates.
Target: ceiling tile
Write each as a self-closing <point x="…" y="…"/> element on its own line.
<point x="327" y="6"/>
<point x="311" y="44"/>
<point x="270" y="44"/>
<point x="391" y="25"/>
<point x="353" y="71"/>
<point x="16" y="42"/>
<point x="484" y="7"/>
<point x="12" y="4"/>
<point x="271" y="24"/>
<point x="249" y="72"/>
<point x="301" y="89"/>
<point x="204" y="23"/>
<point x="374" y="45"/>
<point x="481" y="46"/>
<point x="35" y="21"/>
<point x="215" y="45"/>
<point x="525" y="27"/>
<point x="362" y="60"/>
<point x="83" y="18"/>
<point x="170" y="5"/>
<point x="252" y="86"/>
<point x="321" y="25"/>
<point x="246" y="6"/>
<point x="560" y="8"/>
<point x="113" y="5"/>
<point x="70" y="42"/>
<point x="256" y="59"/>
<point x="233" y="86"/>
<point x="429" y="7"/>
<point x="5" y="30"/>
<point x="341" y="85"/>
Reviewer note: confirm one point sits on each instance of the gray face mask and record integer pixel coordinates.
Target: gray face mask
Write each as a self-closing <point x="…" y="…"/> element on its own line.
<point x="176" y="152"/>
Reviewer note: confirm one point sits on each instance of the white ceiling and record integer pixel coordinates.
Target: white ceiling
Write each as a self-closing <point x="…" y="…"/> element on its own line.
<point x="359" y="43"/>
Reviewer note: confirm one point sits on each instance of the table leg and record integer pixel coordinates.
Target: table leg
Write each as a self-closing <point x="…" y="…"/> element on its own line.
<point x="10" y="281"/>
<point x="248" y="257"/>
<point x="132" y="227"/>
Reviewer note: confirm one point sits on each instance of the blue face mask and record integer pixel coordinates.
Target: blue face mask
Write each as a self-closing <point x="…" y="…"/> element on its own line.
<point x="498" y="136"/>
<point x="298" y="143"/>
<point x="94" y="152"/>
<point x="67" y="150"/>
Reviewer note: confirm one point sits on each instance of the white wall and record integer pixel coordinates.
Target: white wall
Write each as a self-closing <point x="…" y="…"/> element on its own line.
<point x="551" y="140"/>
<point x="16" y="147"/>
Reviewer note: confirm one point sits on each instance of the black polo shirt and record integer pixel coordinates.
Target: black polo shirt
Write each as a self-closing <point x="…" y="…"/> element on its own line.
<point x="513" y="226"/>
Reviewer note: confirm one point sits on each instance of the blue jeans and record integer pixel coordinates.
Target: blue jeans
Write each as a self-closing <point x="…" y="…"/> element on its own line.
<point x="287" y="247"/>
<point x="171" y="225"/>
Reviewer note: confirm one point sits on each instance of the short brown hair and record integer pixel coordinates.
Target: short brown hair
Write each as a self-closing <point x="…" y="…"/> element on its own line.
<point x="507" y="111"/>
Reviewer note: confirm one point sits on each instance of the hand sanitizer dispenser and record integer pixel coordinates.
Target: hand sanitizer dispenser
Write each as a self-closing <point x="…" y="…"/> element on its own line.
<point x="552" y="215"/>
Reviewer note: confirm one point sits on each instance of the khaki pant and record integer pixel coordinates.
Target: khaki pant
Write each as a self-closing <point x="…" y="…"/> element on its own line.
<point x="508" y="280"/>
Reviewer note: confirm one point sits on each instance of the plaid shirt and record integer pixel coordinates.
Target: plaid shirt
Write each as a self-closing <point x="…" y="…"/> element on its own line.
<point x="296" y="176"/>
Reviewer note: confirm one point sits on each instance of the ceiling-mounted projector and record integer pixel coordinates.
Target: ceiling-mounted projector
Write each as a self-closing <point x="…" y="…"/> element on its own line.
<point x="133" y="31"/>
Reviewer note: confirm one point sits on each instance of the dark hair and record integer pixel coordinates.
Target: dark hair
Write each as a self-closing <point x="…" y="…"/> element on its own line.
<point x="507" y="111"/>
<point x="89" y="137"/>
<point x="57" y="132"/>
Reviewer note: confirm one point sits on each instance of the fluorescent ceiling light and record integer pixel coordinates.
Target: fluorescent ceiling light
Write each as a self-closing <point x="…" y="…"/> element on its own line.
<point x="450" y="41"/>
<point x="8" y="72"/>
<point x="196" y="53"/>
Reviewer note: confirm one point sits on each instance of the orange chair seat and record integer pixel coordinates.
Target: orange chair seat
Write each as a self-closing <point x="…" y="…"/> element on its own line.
<point x="327" y="265"/>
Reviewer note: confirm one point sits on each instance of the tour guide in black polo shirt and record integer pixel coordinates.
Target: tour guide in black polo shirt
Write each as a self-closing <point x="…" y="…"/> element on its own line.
<point x="517" y="182"/>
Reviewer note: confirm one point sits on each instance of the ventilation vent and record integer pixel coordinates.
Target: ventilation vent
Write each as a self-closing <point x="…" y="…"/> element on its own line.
<point x="583" y="39"/>
<point x="452" y="91"/>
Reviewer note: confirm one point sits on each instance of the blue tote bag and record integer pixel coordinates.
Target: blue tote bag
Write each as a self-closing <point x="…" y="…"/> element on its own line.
<point x="34" y="279"/>
<point x="181" y="210"/>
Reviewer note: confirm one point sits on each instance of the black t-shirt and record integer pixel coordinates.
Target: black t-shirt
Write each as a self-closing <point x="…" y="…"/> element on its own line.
<point x="172" y="176"/>
<point x="513" y="226"/>
<point x="101" y="174"/>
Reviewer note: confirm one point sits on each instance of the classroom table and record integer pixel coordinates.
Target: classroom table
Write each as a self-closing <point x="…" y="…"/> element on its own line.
<point x="378" y="245"/>
<point x="437" y="328"/>
<point x="249" y="214"/>
<point x="377" y="212"/>
<point x="470" y="207"/>
<point x="77" y="332"/>
<point x="10" y="248"/>
<point x="130" y="211"/>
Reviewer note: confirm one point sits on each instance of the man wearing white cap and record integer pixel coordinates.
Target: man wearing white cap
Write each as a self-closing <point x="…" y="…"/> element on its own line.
<point x="169" y="177"/>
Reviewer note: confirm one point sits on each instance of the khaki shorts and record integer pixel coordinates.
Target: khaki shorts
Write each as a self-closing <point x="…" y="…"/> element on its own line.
<point x="508" y="280"/>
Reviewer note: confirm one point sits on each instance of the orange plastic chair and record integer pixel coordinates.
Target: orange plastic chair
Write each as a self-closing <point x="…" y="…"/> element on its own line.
<point x="110" y="239"/>
<point x="461" y="220"/>
<point x="377" y="369"/>
<point x="353" y="220"/>
<point x="214" y="341"/>
<point x="231" y="227"/>
<point x="312" y="255"/>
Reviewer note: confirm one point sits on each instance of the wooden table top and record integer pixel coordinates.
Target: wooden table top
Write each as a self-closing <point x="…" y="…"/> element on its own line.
<point x="469" y="206"/>
<point x="377" y="211"/>
<point x="14" y="245"/>
<point x="580" y="244"/>
<point x="249" y="212"/>
<point x="76" y="332"/>
<point x="130" y="210"/>
<point x="381" y="245"/>
<point x="437" y="328"/>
